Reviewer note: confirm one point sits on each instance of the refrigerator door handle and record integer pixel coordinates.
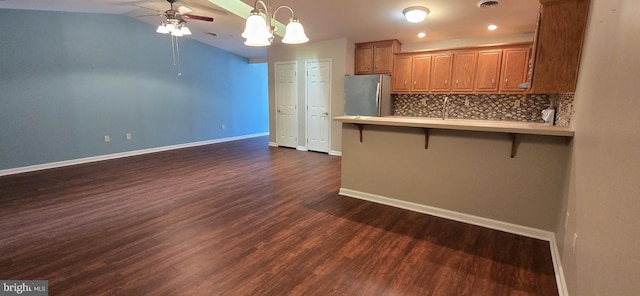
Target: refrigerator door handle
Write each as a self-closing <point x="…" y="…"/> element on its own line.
<point x="378" y="104"/>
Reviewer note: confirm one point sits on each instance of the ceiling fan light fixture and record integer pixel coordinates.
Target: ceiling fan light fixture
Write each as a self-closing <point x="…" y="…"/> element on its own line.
<point x="294" y="33"/>
<point x="162" y="29"/>
<point x="170" y="27"/>
<point x="415" y="14"/>
<point x="177" y="33"/>
<point x="185" y="30"/>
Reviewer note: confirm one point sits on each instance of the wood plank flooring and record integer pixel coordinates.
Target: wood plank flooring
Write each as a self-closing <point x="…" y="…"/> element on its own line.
<point x="241" y="218"/>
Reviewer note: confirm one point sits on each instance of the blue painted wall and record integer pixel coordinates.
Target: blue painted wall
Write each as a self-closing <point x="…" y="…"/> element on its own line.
<point x="68" y="79"/>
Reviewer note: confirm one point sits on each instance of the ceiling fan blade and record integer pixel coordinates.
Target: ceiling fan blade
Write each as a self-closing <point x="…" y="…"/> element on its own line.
<point x="198" y="17"/>
<point x="140" y="6"/>
<point x="145" y="15"/>
<point x="184" y="10"/>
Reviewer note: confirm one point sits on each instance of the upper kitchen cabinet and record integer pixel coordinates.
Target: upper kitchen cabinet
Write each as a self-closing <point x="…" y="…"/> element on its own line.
<point x="376" y="57"/>
<point x="464" y="71"/>
<point x="488" y="72"/>
<point x="559" y="45"/>
<point x="420" y="71"/>
<point x="411" y="73"/>
<point x="401" y="78"/>
<point x="515" y="65"/>
<point x="441" y="72"/>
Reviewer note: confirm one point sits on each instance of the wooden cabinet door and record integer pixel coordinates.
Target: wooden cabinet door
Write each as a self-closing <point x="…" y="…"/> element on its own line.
<point x="464" y="71"/>
<point x="514" y="69"/>
<point x="364" y="59"/>
<point x="383" y="59"/>
<point x="420" y="72"/>
<point x="488" y="72"/>
<point x="440" y="72"/>
<point x="401" y="74"/>
<point x="559" y="45"/>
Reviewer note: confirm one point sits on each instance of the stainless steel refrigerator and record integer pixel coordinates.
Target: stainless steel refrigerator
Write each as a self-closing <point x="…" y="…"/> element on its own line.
<point x="367" y="95"/>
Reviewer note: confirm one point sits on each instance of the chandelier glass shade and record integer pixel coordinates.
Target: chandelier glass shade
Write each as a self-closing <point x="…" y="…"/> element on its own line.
<point x="260" y="31"/>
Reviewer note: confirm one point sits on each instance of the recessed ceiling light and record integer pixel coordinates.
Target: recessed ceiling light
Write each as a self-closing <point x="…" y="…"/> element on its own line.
<point x="421" y="34"/>
<point x="492" y="27"/>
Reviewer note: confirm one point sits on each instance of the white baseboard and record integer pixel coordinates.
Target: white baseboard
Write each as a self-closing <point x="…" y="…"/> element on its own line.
<point x="451" y="215"/>
<point x="64" y="163"/>
<point x="474" y="220"/>
<point x="557" y="267"/>
<point x="273" y="144"/>
<point x="335" y="153"/>
<point x="302" y="148"/>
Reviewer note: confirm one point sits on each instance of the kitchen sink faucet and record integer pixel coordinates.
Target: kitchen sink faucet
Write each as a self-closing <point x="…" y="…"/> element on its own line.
<point x="444" y="107"/>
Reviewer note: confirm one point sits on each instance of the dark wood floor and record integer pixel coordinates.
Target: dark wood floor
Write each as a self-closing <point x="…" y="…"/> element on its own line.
<point x="241" y="218"/>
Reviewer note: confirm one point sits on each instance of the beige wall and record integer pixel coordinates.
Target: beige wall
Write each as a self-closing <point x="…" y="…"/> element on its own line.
<point x="465" y="172"/>
<point x="341" y="53"/>
<point x="604" y="187"/>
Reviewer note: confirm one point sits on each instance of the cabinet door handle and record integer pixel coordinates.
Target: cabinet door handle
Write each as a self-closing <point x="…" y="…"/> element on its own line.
<point x="493" y="81"/>
<point x="506" y="81"/>
<point x="405" y="83"/>
<point x="446" y="81"/>
<point x="415" y="82"/>
<point x="457" y="82"/>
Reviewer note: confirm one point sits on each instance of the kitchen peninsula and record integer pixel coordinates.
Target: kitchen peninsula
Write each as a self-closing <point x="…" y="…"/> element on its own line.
<point x="465" y="172"/>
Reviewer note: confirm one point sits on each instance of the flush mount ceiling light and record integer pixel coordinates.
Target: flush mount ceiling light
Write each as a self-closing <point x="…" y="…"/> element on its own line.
<point x="259" y="31"/>
<point x="487" y="3"/>
<point x="492" y="27"/>
<point x="415" y="14"/>
<point x="422" y="34"/>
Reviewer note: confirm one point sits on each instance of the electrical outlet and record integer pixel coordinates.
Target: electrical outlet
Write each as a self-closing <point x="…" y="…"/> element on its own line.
<point x="575" y="241"/>
<point x="107" y="139"/>
<point x="466" y="102"/>
<point x="128" y="136"/>
<point x="424" y="102"/>
<point x="517" y="104"/>
<point x="566" y="221"/>
<point x="222" y="126"/>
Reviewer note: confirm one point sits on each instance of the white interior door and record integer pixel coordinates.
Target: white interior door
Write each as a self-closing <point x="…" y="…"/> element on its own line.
<point x="318" y="85"/>
<point x="286" y="89"/>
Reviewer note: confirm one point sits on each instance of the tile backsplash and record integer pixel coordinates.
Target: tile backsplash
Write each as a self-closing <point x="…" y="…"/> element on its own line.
<point x="510" y="107"/>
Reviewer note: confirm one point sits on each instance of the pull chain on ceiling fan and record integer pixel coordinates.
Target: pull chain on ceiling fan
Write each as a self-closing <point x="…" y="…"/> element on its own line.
<point x="175" y="25"/>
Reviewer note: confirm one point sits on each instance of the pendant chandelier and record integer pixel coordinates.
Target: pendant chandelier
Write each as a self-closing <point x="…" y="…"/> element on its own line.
<point x="260" y="31"/>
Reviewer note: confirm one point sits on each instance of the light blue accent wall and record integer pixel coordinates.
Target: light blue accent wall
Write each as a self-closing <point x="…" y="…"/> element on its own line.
<point x="69" y="79"/>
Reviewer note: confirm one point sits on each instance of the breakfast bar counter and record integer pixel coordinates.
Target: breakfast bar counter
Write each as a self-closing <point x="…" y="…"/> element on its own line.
<point x="462" y="124"/>
<point x="459" y="169"/>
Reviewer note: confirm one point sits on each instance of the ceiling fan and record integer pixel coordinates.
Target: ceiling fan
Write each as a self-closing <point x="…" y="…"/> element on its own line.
<point x="175" y="22"/>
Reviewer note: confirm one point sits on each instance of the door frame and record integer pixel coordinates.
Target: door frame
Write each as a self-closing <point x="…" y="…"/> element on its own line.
<point x="276" y="65"/>
<point x="306" y="100"/>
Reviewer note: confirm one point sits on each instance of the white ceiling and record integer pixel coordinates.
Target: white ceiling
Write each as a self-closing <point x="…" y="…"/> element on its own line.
<point x="356" y="20"/>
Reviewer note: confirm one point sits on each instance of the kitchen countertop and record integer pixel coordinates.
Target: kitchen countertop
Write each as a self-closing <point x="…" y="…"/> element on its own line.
<point x="512" y="127"/>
